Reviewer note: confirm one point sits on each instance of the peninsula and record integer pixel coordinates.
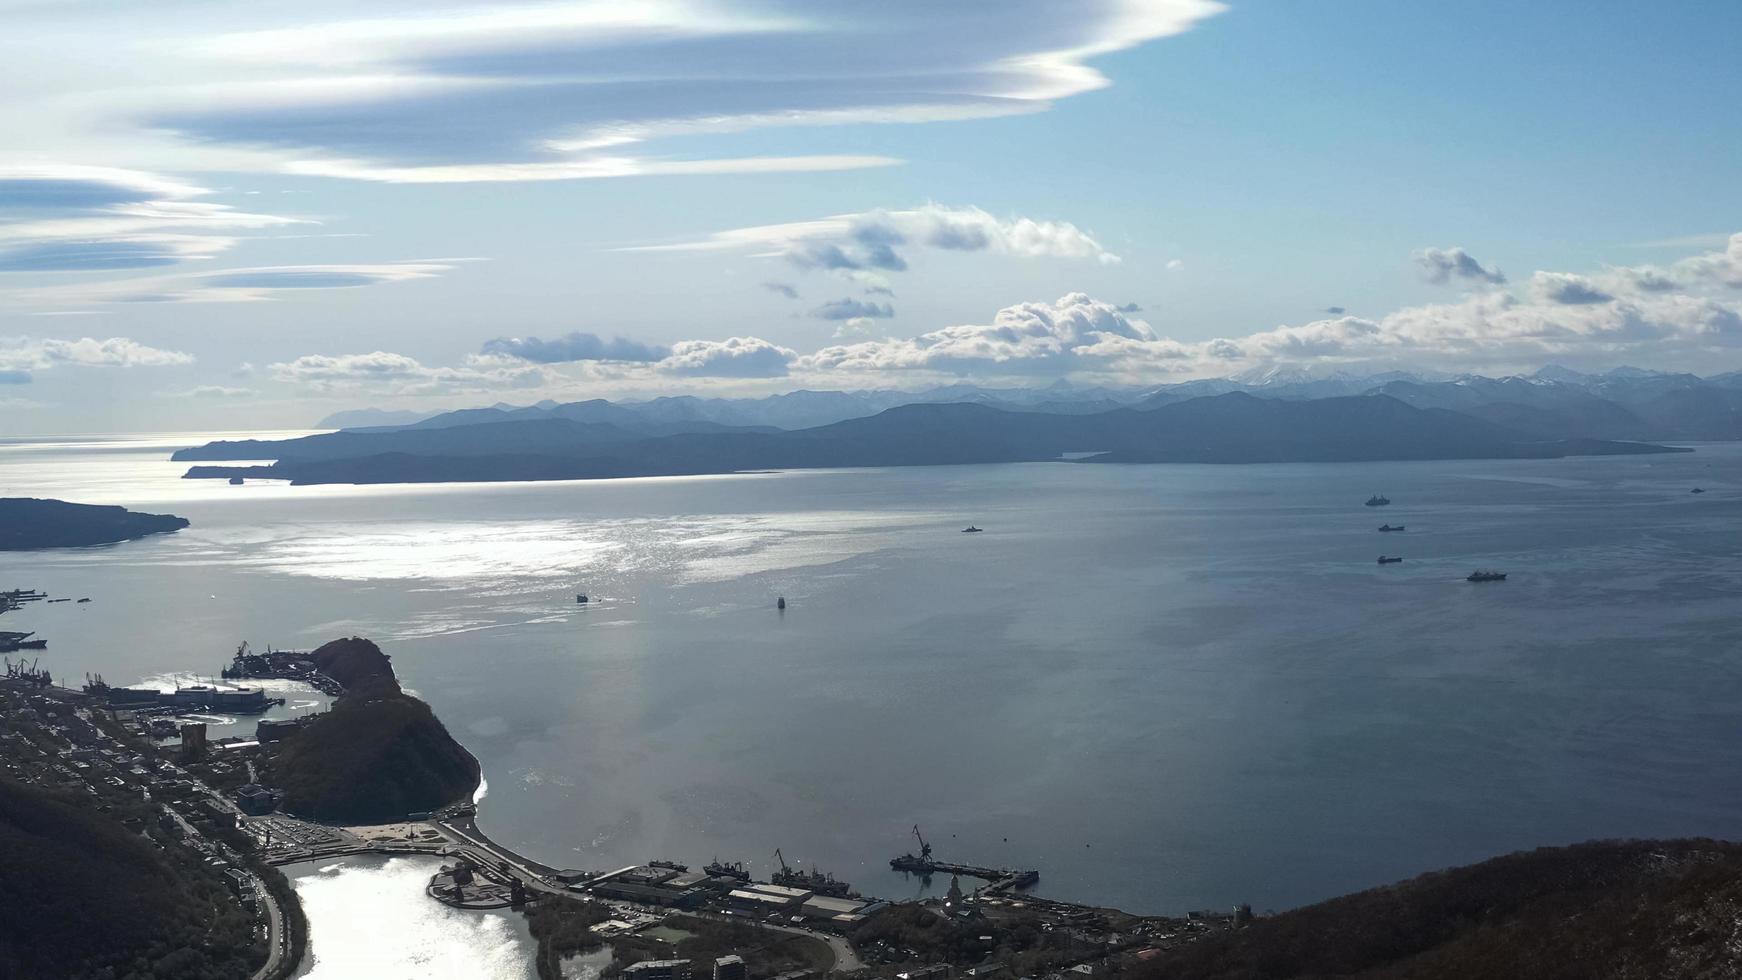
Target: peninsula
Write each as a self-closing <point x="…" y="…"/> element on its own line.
<point x="30" y="523"/>
<point x="377" y="755"/>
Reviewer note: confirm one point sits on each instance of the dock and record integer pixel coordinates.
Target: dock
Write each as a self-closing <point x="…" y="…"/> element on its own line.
<point x="998" y="879"/>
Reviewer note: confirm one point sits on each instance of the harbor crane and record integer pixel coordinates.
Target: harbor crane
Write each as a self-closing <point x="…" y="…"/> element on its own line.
<point x="924" y="848"/>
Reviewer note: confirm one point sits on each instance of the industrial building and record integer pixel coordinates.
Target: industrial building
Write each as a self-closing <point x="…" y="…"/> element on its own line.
<point x="269" y="730"/>
<point x="658" y="970"/>
<point x="658" y="886"/>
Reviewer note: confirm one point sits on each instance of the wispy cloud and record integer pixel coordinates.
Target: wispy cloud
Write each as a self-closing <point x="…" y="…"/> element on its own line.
<point x="82" y="219"/>
<point x="539" y="91"/>
<point x="239" y="285"/>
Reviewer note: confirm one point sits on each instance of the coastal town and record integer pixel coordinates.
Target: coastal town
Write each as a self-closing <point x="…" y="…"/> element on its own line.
<point x="166" y="779"/>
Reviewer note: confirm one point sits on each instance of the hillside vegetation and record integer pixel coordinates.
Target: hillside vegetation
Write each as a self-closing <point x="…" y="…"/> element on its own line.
<point x="85" y="897"/>
<point x="1611" y="910"/>
<point x="377" y="755"/>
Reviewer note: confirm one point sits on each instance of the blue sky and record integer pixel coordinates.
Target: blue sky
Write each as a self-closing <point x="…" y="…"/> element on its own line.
<point x="252" y="214"/>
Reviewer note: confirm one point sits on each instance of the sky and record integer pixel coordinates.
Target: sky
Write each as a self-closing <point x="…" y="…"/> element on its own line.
<point x="223" y="215"/>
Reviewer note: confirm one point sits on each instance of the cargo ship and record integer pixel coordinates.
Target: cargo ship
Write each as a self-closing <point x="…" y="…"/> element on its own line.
<point x="20" y="641"/>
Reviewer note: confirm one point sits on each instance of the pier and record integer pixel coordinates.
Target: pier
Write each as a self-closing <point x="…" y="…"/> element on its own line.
<point x="998" y="879"/>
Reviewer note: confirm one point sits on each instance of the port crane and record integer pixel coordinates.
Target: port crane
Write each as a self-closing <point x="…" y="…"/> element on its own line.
<point x="924" y="848"/>
<point x="782" y="859"/>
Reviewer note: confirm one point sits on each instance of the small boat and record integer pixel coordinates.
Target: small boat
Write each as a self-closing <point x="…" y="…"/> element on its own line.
<point x="1479" y="576"/>
<point x="971" y="529"/>
<point x="780" y="603"/>
<point x="1697" y="490"/>
<point x="1378" y="500"/>
<point x="582" y="599"/>
<point x="85" y="600"/>
<point x="1388" y="561"/>
<point x="1388" y="527"/>
<point x="235" y="481"/>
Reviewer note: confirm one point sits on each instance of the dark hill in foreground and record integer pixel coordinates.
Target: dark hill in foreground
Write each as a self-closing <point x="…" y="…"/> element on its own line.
<point x="1610" y="910"/>
<point x="86" y="897"/>
<point x="28" y="523"/>
<point x="376" y="755"/>
<point x="1231" y="428"/>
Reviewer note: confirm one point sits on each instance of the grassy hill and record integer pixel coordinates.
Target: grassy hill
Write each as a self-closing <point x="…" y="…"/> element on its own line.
<point x="1609" y="910"/>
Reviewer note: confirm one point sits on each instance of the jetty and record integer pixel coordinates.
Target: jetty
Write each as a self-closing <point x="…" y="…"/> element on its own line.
<point x="998" y="879"/>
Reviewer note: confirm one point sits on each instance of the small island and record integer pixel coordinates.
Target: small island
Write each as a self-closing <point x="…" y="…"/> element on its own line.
<point x="30" y="523"/>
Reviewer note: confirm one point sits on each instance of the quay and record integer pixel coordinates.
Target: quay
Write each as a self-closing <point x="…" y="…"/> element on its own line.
<point x="290" y="665"/>
<point x="998" y="879"/>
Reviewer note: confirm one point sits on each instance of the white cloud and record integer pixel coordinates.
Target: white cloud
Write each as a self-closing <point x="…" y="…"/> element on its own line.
<point x="1049" y="338"/>
<point x="863" y="244"/>
<point x="735" y="357"/>
<point x="1567" y="288"/>
<point x="1442" y="265"/>
<point x="34" y="354"/>
<point x="398" y="374"/>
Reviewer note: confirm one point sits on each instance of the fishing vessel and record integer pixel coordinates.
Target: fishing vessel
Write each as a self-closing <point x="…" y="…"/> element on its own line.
<point x="1388" y="561"/>
<point x="1378" y="500"/>
<point x="1389" y="527"/>
<point x="734" y="870"/>
<point x="971" y="529"/>
<point x="1480" y="576"/>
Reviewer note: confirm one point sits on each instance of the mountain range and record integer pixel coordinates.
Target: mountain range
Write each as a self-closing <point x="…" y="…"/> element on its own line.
<point x="1625" y="403"/>
<point x="595" y="440"/>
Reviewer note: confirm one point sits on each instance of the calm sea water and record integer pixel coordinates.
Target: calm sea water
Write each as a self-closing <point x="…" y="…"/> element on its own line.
<point x="1166" y="687"/>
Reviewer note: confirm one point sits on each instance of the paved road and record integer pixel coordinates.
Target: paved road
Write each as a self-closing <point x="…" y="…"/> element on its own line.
<point x="276" y="939"/>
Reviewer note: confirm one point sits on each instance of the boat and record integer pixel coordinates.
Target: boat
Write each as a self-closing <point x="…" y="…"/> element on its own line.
<point x="1480" y="576"/>
<point x="813" y="880"/>
<point x="52" y="601"/>
<point x="780" y="603"/>
<point x="1388" y="527"/>
<point x="669" y="866"/>
<point x="1388" y="561"/>
<point x="87" y="599"/>
<point x="1697" y="490"/>
<point x="21" y="641"/>
<point x="235" y="481"/>
<point x="1378" y="500"/>
<point x="971" y="529"/>
<point x="734" y="870"/>
<point x="581" y="600"/>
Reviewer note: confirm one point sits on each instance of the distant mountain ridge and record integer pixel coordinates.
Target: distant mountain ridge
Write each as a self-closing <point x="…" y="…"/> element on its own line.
<point x="1553" y="402"/>
<point x="1236" y="427"/>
